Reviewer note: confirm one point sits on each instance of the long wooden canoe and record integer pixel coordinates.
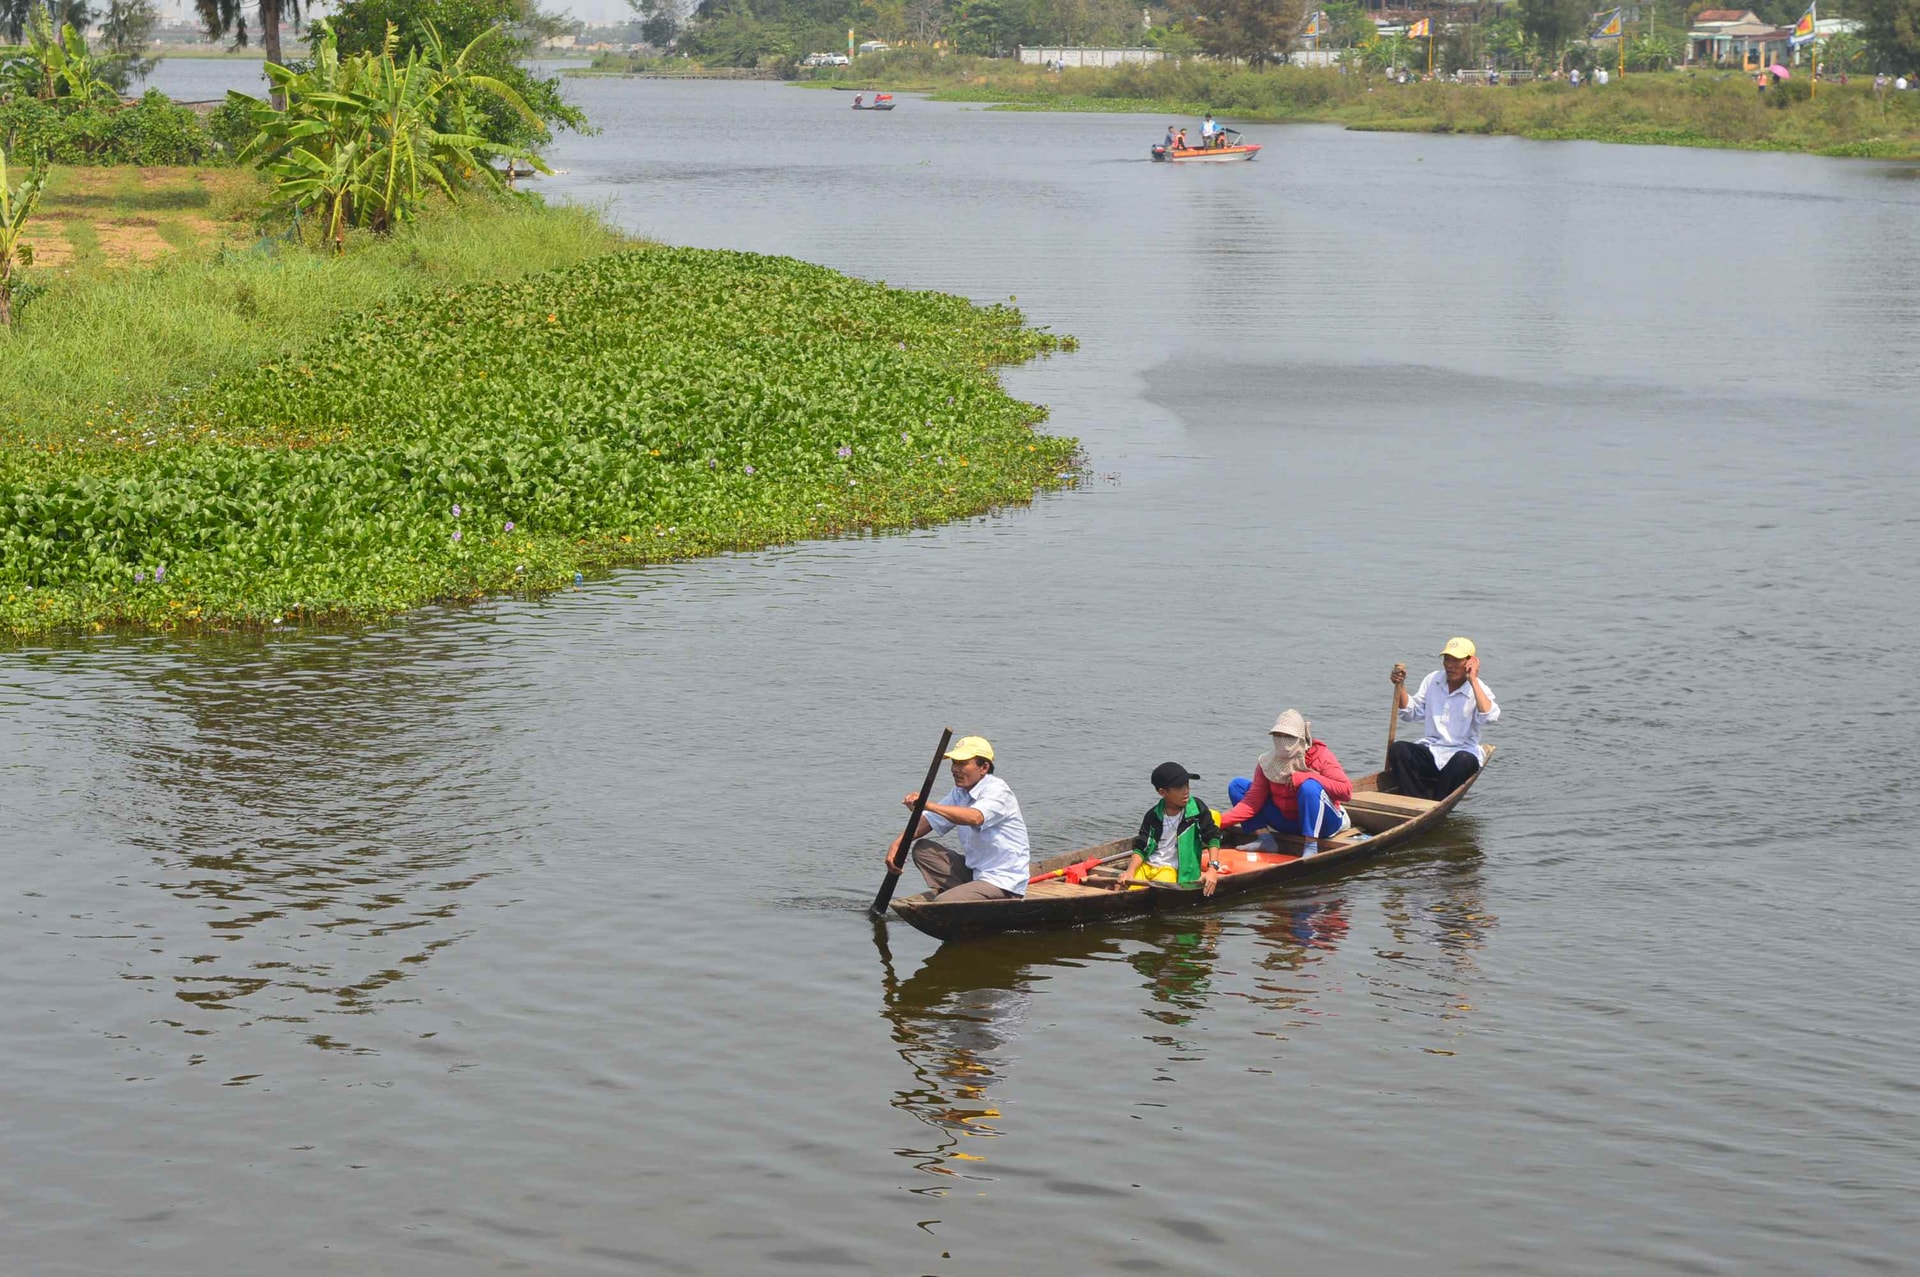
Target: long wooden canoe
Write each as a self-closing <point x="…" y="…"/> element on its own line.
<point x="1382" y="820"/>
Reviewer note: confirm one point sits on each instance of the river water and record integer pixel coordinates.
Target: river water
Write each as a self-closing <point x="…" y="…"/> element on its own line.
<point x="528" y="937"/>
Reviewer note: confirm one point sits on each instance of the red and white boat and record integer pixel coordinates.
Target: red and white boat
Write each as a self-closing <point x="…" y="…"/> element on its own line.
<point x="1238" y="150"/>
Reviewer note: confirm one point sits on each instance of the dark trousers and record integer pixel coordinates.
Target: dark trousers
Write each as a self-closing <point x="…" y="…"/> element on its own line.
<point x="947" y="873"/>
<point x="1414" y="773"/>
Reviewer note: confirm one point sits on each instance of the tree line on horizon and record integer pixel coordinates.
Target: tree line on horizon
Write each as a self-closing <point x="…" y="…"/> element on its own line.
<point x="774" y="33"/>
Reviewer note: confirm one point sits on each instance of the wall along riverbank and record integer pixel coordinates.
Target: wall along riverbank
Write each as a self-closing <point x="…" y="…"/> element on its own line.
<point x="302" y="440"/>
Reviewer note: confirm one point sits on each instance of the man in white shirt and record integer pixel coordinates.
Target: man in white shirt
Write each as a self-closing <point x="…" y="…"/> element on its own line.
<point x="994" y="861"/>
<point x="1454" y="704"/>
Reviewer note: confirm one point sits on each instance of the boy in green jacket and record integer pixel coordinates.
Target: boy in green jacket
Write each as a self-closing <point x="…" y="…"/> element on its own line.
<point x="1176" y="836"/>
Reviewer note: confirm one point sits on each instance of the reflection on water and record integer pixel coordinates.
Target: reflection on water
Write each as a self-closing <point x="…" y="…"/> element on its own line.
<point x="310" y="813"/>
<point x="955" y="1021"/>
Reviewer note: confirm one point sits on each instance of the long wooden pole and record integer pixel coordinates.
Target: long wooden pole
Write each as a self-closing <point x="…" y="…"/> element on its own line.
<point x="1393" y="713"/>
<point x="881" y="900"/>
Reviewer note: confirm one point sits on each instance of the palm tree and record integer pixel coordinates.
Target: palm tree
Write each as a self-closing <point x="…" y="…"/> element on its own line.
<point x="222" y="17"/>
<point x="18" y="15"/>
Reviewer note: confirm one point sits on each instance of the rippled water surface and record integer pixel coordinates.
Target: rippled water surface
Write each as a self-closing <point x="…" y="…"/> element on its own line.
<point x="529" y="937"/>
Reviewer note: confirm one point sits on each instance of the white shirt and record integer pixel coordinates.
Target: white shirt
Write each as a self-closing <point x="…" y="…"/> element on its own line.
<point x="1453" y="718"/>
<point x="995" y="850"/>
<point x="1207" y="127"/>
<point x="1166" y="852"/>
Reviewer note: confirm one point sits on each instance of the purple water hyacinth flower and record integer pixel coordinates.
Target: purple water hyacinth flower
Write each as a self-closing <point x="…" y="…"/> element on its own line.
<point x="139" y="576"/>
<point x="843" y="452"/>
<point x="456" y="512"/>
<point x="750" y="470"/>
<point x="160" y="574"/>
<point x="905" y="437"/>
<point x="509" y="526"/>
<point x="456" y="534"/>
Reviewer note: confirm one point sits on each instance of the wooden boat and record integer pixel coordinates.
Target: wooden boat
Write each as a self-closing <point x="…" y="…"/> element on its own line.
<point x="883" y="102"/>
<point x="1205" y="154"/>
<point x="1382" y="820"/>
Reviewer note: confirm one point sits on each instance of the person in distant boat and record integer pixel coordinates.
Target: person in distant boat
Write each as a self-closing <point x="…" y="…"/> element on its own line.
<point x="1168" y="144"/>
<point x="1454" y="704"/>
<point x="1179" y="838"/>
<point x="1297" y="787"/>
<point x="1208" y="132"/>
<point x="994" y="861"/>
<point x="856" y="100"/>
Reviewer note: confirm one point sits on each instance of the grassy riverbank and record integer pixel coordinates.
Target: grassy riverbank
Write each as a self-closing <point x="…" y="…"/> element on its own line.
<point x="1673" y="109"/>
<point x="245" y="436"/>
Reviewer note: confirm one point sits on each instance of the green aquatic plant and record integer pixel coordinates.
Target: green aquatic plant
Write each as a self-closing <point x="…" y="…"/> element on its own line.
<point x="640" y="406"/>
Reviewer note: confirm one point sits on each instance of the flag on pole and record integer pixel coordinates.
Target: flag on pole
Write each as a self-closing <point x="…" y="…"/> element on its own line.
<point x="1803" y="30"/>
<point x="1313" y="25"/>
<point x="1421" y="29"/>
<point x="1609" y="26"/>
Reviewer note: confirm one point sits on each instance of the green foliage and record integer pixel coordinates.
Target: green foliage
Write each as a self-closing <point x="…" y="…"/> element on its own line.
<point x="362" y="140"/>
<point x="1550" y="24"/>
<point x="57" y="66"/>
<point x="1251" y="31"/>
<point x="360" y="26"/>
<point x="1892" y="30"/>
<point x="16" y="207"/>
<point x="134" y="338"/>
<point x="152" y="131"/>
<point x="636" y="407"/>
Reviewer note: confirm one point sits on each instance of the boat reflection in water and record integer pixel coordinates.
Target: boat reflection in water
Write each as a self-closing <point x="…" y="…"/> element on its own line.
<point x="955" y="1020"/>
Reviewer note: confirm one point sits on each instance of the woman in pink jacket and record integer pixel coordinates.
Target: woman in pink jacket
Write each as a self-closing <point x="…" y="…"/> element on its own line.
<point x="1297" y="787"/>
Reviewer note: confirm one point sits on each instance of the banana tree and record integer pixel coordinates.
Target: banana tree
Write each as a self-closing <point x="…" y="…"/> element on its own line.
<point x="16" y="206"/>
<point x="58" y="65"/>
<point x="364" y="139"/>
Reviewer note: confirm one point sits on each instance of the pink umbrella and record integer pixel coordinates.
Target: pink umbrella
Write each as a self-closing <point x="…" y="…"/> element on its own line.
<point x="1780" y="71"/>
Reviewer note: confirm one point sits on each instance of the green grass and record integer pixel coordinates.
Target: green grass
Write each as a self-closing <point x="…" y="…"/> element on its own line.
<point x="470" y="437"/>
<point x="129" y="341"/>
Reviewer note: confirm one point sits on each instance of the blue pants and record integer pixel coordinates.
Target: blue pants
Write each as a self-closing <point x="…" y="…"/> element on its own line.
<point x="1318" y="818"/>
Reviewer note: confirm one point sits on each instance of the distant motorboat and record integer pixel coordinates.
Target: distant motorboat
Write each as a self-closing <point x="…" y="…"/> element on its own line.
<point x="881" y="102"/>
<point x="1208" y="154"/>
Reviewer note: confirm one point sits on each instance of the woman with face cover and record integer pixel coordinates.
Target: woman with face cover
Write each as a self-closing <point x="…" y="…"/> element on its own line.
<point x="1297" y="787"/>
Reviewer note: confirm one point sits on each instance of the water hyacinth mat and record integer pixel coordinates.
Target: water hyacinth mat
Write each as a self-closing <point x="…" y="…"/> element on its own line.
<point x="637" y="407"/>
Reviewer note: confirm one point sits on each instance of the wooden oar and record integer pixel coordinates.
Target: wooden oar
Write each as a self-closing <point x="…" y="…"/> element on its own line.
<point x="1393" y="715"/>
<point x="894" y="866"/>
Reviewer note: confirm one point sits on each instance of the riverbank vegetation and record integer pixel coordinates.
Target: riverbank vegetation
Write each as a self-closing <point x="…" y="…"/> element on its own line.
<point x="325" y="394"/>
<point x="1697" y="108"/>
<point x="634" y="407"/>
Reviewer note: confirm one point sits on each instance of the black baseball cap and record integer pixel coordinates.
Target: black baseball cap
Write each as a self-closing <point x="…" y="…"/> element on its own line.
<point x="1171" y="776"/>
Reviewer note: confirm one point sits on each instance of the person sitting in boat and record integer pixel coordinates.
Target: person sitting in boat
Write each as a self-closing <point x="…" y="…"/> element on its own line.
<point x="1179" y="838"/>
<point x="1297" y="787"/>
<point x="1168" y="144"/>
<point x="856" y="100"/>
<point x="994" y="861"/>
<point x="1454" y="704"/>
<point x="1180" y="140"/>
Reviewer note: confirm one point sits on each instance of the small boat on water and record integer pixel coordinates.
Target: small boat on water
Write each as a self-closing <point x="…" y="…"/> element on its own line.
<point x="881" y="102"/>
<point x="1206" y="154"/>
<point x="1382" y="820"/>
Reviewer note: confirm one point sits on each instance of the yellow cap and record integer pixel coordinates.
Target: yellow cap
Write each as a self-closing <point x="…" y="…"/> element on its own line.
<point x="1460" y="647"/>
<point x="970" y="747"/>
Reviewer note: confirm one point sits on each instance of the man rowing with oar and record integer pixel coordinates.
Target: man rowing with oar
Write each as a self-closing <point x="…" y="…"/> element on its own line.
<point x="1455" y="705"/>
<point x="994" y="861"/>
